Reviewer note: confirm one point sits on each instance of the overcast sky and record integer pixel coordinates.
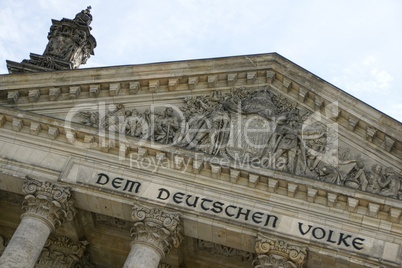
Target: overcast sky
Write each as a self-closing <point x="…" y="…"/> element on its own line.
<point x="353" y="44"/>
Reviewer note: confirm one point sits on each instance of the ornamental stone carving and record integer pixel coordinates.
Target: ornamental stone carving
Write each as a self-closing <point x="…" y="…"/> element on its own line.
<point x="70" y="45"/>
<point x="11" y="197"/>
<point x="258" y="128"/>
<point x="217" y="249"/>
<point x="278" y="253"/>
<point x="112" y="222"/>
<point x="156" y="228"/>
<point x="47" y="201"/>
<point x="164" y="265"/>
<point x="62" y="252"/>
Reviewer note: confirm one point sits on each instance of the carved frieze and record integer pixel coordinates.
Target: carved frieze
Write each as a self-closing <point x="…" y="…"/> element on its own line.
<point x="252" y="127"/>
<point x="64" y="253"/>
<point x="11" y="197"/>
<point x="156" y="228"/>
<point x="50" y="202"/>
<point x="217" y="249"/>
<point x="278" y="253"/>
<point x="112" y="222"/>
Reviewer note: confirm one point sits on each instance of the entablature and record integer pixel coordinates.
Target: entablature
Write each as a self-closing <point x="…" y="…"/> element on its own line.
<point x="202" y="169"/>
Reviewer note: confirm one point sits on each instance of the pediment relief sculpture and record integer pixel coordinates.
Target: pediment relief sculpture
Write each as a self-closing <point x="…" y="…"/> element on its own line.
<point x="254" y="127"/>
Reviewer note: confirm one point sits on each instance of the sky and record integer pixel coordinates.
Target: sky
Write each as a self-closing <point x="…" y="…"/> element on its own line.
<point x="356" y="45"/>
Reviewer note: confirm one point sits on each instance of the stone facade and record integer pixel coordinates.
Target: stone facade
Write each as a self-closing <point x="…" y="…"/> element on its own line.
<point x="245" y="161"/>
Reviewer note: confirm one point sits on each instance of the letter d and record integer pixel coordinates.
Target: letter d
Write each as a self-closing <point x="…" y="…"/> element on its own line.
<point x="100" y="176"/>
<point x="163" y="194"/>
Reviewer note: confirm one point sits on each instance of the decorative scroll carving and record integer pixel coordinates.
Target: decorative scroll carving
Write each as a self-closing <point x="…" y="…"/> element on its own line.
<point x="64" y="253"/>
<point x="47" y="201"/>
<point x="278" y="253"/>
<point x="156" y="228"/>
<point x="253" y="127"/>
<point x="70" y="45"/>
<point x="217" y="249"/>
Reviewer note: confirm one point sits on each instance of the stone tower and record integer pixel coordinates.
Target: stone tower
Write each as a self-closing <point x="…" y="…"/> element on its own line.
<point x="70" y="45"/>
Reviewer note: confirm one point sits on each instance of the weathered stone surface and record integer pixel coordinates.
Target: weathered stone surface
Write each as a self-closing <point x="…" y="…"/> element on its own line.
<point x="26" y="244"/>
<point x="45" y="207"/>
<point x="346" y="207"/>
<point x="63" y="252"/>
<point x="70" y="45"/>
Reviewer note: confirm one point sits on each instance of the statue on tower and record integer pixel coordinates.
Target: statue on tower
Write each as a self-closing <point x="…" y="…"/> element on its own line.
<point x="70" y="45"/>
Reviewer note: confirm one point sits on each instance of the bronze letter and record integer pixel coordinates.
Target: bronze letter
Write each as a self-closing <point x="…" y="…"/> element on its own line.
<point x="257" y="216"/>
<point x="217" y="207"/>
<point x="177" y="197"/>
<point x="360" y="243"/>
<point x="116" y="182"/>
<point x="131" y="185"/>
<point x="161" y="191"/>
<point x="301" y="230"/>
<point x="100" y="176"/>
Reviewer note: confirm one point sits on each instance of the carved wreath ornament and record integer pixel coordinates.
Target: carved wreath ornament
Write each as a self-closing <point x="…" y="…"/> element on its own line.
<point x="254" y="127"/>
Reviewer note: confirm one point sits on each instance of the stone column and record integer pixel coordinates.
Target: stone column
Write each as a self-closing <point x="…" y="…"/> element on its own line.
<point x="278" y="253"/>
<point x="62" y="252"/>
<point x="45" y="208"/>
<point x="154" y="233"/>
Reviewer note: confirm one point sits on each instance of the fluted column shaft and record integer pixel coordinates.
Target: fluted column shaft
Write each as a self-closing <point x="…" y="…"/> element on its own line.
<point x="142" y="255"/>
<point x="26" y="244"/>
<point x="45" y="207"/>
<point x="154" y="233"/>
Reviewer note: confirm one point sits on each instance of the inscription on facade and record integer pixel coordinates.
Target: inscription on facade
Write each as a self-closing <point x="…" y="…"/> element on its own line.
<point x="118" y="183"/>
<point x="233" y="211"/>
<point x="330" y="236"/>
<point x="217" y="207"/>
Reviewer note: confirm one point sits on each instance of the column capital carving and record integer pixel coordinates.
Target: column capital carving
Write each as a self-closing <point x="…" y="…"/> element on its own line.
<point x="156" y="228"/>
<point x="63" y="252"/>
<point x="49" y="202"/>
<point x="278" y="253"/>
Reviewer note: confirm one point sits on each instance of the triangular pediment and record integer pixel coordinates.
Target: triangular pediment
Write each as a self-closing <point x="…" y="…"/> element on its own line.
<point x="243" y="147"/>
<point x="257" y="112"/>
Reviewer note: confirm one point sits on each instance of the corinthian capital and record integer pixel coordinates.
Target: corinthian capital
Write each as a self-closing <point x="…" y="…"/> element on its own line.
<point x="47" y="201"/>
<point x="156" y="228"/>
<point x="278" y="253"/>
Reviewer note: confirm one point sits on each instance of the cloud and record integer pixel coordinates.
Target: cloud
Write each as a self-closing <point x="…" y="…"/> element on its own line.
<point x="393" y="109"/>
<point x="364" y="77"/>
